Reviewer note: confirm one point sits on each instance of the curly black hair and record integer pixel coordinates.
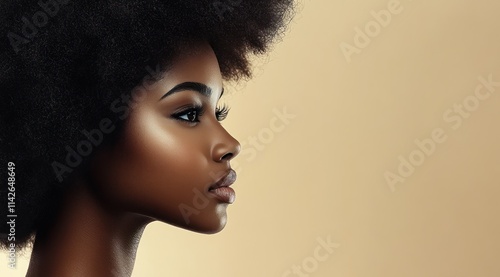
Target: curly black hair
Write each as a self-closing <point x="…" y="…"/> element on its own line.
<point x="64" y="62"/>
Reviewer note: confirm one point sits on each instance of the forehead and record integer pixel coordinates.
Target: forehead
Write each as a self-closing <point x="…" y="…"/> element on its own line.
<point x="197" y="64"/>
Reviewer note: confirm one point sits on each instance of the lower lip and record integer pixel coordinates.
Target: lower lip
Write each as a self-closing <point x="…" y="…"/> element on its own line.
<point x="224" y="194"/>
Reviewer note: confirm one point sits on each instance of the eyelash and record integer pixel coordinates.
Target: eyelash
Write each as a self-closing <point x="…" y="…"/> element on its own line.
<point x="220" y="113"/>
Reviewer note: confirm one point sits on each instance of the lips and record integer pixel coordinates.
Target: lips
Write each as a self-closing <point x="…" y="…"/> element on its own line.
<point x="221" y="190"/>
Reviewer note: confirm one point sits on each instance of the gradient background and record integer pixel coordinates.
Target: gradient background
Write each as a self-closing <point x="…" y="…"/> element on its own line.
<point x="322" y="175"/>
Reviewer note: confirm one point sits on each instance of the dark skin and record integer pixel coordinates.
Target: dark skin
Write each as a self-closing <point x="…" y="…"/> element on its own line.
<point x="161" y="168"/>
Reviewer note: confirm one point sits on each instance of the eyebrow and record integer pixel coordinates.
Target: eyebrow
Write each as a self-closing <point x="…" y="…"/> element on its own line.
<point x="192" y="86"/>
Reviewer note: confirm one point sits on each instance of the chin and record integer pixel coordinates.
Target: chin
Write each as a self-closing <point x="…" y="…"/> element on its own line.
<point x="216" y="229"/>
<point x="206" y="222"/>
<point x="212" y="226"/>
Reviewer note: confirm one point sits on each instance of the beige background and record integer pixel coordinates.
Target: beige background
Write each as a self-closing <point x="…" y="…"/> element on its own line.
<point x="322" y="175"/>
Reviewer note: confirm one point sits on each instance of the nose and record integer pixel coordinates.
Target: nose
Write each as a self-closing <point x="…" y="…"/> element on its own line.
<point x="226" y="147"/>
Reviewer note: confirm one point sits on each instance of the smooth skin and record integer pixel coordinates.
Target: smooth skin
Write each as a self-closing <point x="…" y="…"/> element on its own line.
<point x="161" y="168"/>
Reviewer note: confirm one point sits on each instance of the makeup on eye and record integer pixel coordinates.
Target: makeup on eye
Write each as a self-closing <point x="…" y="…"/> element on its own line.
<point x="193" y="113"/>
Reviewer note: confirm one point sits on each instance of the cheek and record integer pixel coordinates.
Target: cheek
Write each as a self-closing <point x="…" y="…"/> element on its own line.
<point x="153" y="169"/>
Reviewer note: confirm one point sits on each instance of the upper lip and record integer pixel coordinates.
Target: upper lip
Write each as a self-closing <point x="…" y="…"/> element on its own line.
<point x="228" y="179"/>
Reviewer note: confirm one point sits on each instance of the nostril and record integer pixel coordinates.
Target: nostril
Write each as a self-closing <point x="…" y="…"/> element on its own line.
<point x="227" y="156"/>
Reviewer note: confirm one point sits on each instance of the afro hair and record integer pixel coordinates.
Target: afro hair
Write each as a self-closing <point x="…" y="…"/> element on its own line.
<point x="63" y="62"/>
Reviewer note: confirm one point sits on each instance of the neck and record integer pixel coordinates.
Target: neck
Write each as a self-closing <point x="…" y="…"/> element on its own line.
<point x="87" y="239"/>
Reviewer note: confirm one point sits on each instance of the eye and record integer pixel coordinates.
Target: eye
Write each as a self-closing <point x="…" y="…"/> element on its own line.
<point x="191" y="115"/>
<point x="221" y="113"/>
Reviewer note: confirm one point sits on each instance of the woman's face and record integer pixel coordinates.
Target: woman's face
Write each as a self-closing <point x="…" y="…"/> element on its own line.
<point x="173" y="150"/>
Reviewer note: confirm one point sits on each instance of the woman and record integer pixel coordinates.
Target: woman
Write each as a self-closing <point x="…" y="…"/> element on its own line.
<point x="110" y="120"/>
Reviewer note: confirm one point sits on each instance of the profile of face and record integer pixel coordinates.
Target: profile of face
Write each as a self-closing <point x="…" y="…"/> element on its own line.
<point x="173" y="150"/>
